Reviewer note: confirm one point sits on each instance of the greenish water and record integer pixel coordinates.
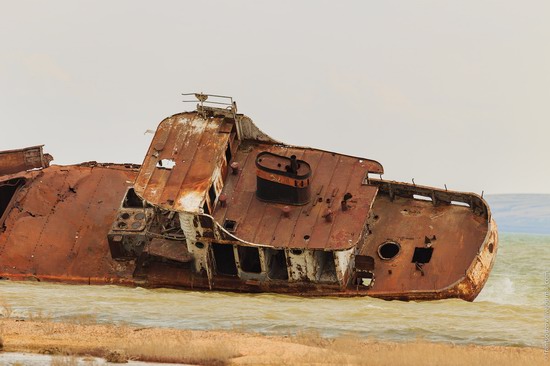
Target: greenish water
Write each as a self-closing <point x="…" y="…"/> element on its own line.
<point x="509" y="311"/>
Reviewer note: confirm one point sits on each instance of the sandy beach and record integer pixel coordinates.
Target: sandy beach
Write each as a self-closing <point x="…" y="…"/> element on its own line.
<point x="120" y="342"/>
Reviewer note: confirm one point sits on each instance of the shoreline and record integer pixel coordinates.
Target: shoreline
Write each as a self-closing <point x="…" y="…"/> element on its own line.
<point x="82" y="338"/>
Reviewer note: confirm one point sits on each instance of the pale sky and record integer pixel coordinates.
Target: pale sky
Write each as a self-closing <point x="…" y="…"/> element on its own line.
<point x="445" y="92"/>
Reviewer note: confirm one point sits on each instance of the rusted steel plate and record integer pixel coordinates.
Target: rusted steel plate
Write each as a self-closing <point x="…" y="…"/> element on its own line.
<point x="174" y="250"/>
<point x="194" y="146"/>
<point x="13" y="161"/>
<point x="59" y="224"/>
<point x="454" y="233"/>
<point x="333" y="176"/>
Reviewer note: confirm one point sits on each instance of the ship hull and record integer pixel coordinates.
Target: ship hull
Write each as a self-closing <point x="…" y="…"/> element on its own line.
<point x="56" y="225"/>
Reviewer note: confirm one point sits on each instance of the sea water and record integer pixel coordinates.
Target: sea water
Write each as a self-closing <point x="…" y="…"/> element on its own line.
<point x="512" y="309"/>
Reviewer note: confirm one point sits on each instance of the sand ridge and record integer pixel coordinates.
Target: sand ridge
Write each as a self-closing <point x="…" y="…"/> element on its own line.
<point x="240" y="348"/>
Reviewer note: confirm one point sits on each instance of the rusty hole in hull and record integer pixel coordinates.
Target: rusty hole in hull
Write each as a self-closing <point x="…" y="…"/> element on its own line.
<point x="131" y="200"/>
<point x="422" y="255"/>
<point x="388" y="250"/>
<point x="7" y="192"/>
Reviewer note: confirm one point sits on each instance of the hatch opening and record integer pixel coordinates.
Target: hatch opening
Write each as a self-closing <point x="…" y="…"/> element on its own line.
<point x="249" y="258"/>
<point x="276" y="263"/>
<point x="224" y="257"/>
<point x="327" y="268"/>
<point x="230" y="225"/>
<point x="422" y="255"/>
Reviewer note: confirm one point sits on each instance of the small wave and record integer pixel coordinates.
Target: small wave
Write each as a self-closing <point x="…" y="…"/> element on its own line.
<point x="500" y="291"/>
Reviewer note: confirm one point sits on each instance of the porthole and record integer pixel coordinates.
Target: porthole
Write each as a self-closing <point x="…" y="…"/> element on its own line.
<point x="296" y="251"/>
<point x="388" y="250"/>
<point x="199" y="245"/>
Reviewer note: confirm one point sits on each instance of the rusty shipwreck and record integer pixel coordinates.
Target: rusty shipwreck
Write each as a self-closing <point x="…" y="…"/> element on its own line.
<point x="219" y="205"/>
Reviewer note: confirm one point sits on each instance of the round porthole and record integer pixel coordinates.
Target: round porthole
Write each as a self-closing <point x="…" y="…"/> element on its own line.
<point x="491" y="247"/>
<point x="199" y="245"/>
<point x="388" y="250"/>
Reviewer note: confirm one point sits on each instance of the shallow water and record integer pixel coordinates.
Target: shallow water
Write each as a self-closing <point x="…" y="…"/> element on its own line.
<point x="509" y="311"/>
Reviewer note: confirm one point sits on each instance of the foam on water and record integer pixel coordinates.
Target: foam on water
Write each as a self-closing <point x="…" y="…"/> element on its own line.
<point x="509" y="311"/>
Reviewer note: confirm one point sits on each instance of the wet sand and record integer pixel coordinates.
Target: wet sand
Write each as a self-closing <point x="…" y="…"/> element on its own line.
<point x="239" y="348"/>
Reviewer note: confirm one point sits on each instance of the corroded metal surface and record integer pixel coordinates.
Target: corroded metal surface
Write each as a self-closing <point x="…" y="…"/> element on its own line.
<point x="13" y="161"/>
<point x="180" y="164"/>
<point x="333" y="176"/>
<point x="205" y="212"/>
<point x="59" y="224"/>
<point x="419" y="225"/>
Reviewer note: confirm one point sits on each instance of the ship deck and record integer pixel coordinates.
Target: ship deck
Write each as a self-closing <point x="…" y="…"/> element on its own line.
<point x="447" y="237"/>
<point x="305" y="226"/>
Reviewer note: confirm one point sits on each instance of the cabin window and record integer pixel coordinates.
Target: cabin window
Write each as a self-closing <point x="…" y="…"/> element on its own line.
<point x="7" y="191"/>
<point x="168" y="164"/>
<point x="388" y="250"/>
<point x="249" y="257"/>
<point x="228" y="155"/>
<point x="212" y="195"/>
<point x="225" y="259"/>
<point x="276" y="264"/>
<point x="422" y="255"/>
<point x="132" y="200"/>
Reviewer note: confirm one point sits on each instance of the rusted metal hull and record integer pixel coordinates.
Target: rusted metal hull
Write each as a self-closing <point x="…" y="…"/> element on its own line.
<point x="58" y="228"/>
<point x="218" y="205"/>
<point x="58" y="224"/>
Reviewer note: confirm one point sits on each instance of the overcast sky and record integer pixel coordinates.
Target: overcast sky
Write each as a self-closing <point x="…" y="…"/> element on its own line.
<point x="446" y="92"/>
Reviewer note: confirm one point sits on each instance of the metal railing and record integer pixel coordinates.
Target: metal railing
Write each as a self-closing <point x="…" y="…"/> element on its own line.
<point x="212" y="101"/>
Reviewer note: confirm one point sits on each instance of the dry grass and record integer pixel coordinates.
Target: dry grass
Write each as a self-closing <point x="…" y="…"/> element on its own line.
<point x="6" y="309"/>
<point x="39" y="316"/>
<point x="81" y="319"/>
<point x="355" y="351"/>
<point x="310" y="338"/>
<point x="64" y="361"/>
<point x="180" y="349"/>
